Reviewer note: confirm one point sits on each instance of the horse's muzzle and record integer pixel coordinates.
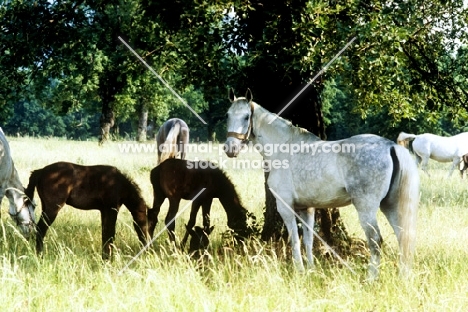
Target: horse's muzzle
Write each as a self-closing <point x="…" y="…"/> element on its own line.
<point x="232" y="147"/>
<point x="25" y="220"/>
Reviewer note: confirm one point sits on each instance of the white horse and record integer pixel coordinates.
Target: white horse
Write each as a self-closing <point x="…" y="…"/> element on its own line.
<point x="21" y="206"/>
<point x="367" y="171"/>
<point x="441" y="149"/>
<point x="172" y="138"/>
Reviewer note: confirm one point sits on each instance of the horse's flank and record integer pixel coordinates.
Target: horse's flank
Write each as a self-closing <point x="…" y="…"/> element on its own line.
<point x="100" y="187"/>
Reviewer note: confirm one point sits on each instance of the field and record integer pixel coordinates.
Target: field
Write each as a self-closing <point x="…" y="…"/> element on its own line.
<point x="257" y="276"/>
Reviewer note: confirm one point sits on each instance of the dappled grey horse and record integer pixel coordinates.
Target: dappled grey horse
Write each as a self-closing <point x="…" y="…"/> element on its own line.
<point x="21" y="206"/>
<point x="367" y="171"/>
<point x="441" y="149"/>
<point x="172" y="138"/>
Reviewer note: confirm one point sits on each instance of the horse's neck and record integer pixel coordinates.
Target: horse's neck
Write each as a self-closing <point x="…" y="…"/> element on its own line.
<point x="133" y="200"/>
<point x="272" y="129"/>
<point x="230" y="201"/>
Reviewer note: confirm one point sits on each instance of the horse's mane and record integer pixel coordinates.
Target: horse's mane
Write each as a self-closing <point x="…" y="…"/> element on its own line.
<point x="296" y="129"/>
<point x="228" y="184"/>
<point x="132" y="182"/>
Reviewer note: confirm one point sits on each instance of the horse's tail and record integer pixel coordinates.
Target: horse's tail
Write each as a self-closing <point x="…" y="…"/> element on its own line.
<point x="404" y="138"/>
<point x="33" y="180"/>
<point x="405" y="189"/>
<point x="170" y="144"/>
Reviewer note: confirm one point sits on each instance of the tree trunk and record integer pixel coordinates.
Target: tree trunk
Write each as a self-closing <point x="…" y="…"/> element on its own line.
<point x="211" y="132"/>
<point x="109" y="86"/>
<point x="274" y="86"/>
<point x="142" y="123"/>
<point x="106" y="122"/>
<point x="308" y="114"/>
<point x="273" y="228"/>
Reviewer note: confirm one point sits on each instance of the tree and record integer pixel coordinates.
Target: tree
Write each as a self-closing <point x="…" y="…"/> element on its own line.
<point x="278" y="38"/>
<point x="406" y="60"/>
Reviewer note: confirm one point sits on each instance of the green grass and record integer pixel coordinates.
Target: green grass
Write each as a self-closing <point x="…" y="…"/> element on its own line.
<point x="253" y="277"/>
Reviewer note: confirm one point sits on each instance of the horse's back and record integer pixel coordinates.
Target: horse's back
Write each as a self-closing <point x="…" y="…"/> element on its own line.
<point x="84" y="187"/>
<point x="185" y="178"/>
<point x="442" y="149"/>
<point x="338" y="172"/>
<point x="168" y="124"/>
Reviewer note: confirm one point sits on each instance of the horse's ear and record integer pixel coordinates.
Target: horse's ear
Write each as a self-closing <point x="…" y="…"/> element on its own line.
<point x="208" y="231"/>
<point x="248" y="95"/>
<point x="231" y="95"/>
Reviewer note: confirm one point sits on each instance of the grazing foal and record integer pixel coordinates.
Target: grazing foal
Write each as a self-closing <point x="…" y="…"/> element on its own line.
<point x="178" y="179"/>
<point x="103" y="188"/>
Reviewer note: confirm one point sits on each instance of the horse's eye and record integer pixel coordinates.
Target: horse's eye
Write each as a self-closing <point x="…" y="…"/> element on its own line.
<point x="246" y="118"/>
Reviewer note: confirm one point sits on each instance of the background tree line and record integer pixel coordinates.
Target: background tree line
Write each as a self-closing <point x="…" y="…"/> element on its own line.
<point x="406" y="70"/>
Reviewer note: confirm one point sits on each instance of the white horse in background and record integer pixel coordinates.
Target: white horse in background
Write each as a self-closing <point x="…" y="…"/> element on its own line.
<point x="373" y="172"/>
<point x="172" y="139"/>
<point x="441" y="149"/>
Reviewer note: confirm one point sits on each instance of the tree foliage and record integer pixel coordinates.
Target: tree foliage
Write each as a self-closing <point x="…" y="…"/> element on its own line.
<point x="408" y="64"/>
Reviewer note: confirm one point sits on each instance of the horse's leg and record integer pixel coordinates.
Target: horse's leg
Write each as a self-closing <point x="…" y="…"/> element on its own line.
<point x="462" y="167"/>
<point x="48" y="216"/>
<point x="191" y="222"/>
<point x="425" y="160"/>
<point x="108" y="220"/>
<point x="206" y="209"/>
<point x="158" y="200"/>
<point x="159" y="141"/>
<point x="308" y="215"/>
<point x="455" y="162"/>
<point x="184" y="140"/>
<point x="289" y="219"/>
<point x="389" y="208"/>
<point x="367" y="213"/>
<point x="170" y="217"/>
<point x="418" y="159"/>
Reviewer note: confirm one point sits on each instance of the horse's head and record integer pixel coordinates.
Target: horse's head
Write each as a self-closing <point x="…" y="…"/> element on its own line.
<point x="404" y="143"/>
<point x="200" y="239"/>
<point x="21" y="210"/>
<point x="239" y="123"/>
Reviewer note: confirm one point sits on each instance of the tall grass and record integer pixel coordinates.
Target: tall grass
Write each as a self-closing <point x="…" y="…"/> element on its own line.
<point x="250" y="277"/>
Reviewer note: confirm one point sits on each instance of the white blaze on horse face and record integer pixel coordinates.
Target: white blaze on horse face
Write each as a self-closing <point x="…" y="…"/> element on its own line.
<point x="237" y="122"/>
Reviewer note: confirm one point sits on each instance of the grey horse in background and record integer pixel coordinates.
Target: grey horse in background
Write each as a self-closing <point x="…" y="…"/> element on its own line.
<point x="172" y="139"/>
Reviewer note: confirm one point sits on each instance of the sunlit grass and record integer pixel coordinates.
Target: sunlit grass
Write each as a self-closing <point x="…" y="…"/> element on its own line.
<point x="257" y="276"/>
